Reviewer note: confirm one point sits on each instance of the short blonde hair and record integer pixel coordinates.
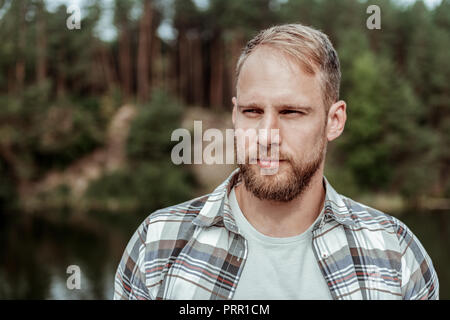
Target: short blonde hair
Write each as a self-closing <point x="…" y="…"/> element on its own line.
<point x="310" y="47"/>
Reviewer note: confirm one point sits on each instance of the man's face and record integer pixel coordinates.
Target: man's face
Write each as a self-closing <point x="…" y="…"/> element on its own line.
<point x="273" y="92"/>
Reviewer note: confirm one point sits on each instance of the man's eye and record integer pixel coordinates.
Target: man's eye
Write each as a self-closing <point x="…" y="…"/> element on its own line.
<point x="291" y="112"/>
<point x="251" y="111"/>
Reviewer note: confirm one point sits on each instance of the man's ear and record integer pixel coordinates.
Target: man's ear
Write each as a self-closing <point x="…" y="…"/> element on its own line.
<point x="337" y="116"/>
<point x="233" y="116"/>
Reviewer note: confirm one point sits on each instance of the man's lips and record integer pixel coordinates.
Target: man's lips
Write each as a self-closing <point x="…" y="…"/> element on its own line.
<point x="269" y="163"/>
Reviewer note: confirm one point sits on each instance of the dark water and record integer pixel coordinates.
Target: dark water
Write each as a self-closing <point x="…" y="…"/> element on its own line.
<point x="35" y="252"/>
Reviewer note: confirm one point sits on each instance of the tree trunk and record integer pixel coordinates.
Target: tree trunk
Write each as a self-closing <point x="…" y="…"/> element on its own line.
<point x="197" y="65"/>
<point x="125" y="60"/>
<point x="41" y="59"/>
<point x="216" y="88"/>
<point x="110" y="75"/>
<point x="237" y="43"/>
<point x="143" y="63"/>
<point x="60" y="77"/>
<point x="21" y="46"/>
<point x="157" y="66"/>
<point x="190" y="67"/>
<point x="183" y="68"/>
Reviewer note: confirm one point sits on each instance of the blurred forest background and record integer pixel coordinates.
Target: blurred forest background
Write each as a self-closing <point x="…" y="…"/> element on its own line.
<point x="86" y="117"/>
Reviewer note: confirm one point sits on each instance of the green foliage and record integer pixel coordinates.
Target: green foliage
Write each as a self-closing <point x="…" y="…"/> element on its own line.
<point x="395" y="82"/>
<point x="47" y="135"/>
<point x="68" y="132"/>
<point x="150" y="180"/>
<point x="8" y="196"/>
<point x="144" y="187"/>
<point x="151" y="130"/>
<point x="383" y="114"/>
<point x="248" y="16"/>
<point x="363" y="135"/>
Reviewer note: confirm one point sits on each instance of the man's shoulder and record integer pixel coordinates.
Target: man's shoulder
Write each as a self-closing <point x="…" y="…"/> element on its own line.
<point x="390" y="239"/>
<point x="185" y="210"/>
<point x="365" y="216"/>
<point x="375" y="229"/>
<point x="173" y="218"/>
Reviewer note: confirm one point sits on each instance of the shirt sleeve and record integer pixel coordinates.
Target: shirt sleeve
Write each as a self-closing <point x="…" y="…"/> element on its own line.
<point x="419" y="278"/>
<point x="129" y="282"/>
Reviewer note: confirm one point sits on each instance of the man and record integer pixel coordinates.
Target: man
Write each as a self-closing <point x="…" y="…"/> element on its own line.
<point x="285" y="235"/>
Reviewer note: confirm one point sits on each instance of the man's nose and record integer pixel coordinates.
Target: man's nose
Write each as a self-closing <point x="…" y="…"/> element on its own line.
<point x="269" y="130"/>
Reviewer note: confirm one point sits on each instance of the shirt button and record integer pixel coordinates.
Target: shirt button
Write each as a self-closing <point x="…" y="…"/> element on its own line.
<point x="324" y="255"/>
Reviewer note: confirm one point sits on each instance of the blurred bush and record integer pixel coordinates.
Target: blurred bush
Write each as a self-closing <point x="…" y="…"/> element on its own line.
<point x="149" y="137"/>
<point x="150" y="180"/>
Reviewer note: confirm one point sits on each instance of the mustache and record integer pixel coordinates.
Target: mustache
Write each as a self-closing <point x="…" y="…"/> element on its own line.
<point x="269" y="156"/>
<point x="252" y="152"/>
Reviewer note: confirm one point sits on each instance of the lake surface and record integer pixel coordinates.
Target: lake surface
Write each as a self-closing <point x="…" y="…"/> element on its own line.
<point x="35" y="252"/>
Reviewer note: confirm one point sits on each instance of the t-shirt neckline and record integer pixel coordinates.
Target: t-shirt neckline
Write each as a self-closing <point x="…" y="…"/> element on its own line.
<point x="247" y="228"/>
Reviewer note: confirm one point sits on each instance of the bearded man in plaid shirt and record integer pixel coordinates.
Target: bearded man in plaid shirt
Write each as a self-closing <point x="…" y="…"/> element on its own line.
<point x="276" y="228"/>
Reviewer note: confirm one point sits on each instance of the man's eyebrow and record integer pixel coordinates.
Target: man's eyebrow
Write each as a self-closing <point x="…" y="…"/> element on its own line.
<point x="250" y="105"/>
<point x="294" y="107"/>
<point x="302" y="107"/>
<point x="278" y="106"/>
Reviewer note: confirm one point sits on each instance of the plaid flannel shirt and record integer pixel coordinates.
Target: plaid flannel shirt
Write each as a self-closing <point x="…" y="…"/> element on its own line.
<point x="194" y="251"/>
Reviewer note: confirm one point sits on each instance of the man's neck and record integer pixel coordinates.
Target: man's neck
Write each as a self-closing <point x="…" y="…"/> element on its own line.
<point x="283" y="219"/>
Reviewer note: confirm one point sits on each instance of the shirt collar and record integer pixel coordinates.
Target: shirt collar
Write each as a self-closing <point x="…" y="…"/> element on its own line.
<point x="335" y="206"/>
<point x="217" y="210"/>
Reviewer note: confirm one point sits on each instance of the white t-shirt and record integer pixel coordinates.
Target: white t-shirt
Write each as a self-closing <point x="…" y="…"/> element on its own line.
<point x="278" y="268"/>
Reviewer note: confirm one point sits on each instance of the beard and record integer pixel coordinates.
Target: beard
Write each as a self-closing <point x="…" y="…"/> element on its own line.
<point x="291" y="180"/>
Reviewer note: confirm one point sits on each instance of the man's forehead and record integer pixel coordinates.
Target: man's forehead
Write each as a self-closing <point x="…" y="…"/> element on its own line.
<point x="264" y="55"/>
<point x="271" y="65"/>
<point x="275" y="82"/>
